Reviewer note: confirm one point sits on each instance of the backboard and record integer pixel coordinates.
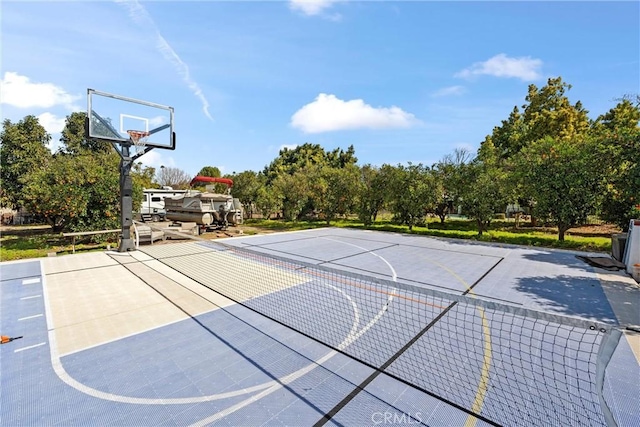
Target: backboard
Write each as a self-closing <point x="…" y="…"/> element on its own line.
<point x="113" y="117"/>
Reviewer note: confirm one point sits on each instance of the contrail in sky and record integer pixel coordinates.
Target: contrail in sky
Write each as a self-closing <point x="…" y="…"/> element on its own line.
<point x="140" y="15"/>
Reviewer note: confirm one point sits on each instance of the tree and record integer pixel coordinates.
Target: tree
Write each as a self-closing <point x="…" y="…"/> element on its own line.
<point x="268" y="201"/>
<point x="509" y="138"/>
<point x="173" y="177"/>
<point x="565" y="178"/>
<point x="449" y="181"/>
<point x="624" y="116"/>
<point x="245" y="187"/>
<point x="333" y="190"/>
<point x="143" y="177"/>
<point x="618" y="132"/>
<point x="74" y="140"/>
<point x="75" y="192"/>
<point x="340" y="159"/>
<point x="413" y="194"/>
<point x="621" y="201"/>
<point x="376" y="191"/>
<point x="549" y="113"/>
<point x="294" y="194"/>
<point x="370" y="200"/>
<point x="290" y="161"/>
<point x="211" y="171"/>
<point x="79" y="189"/>
<point x="485" y="191"/>
<point x="23" y="150"/>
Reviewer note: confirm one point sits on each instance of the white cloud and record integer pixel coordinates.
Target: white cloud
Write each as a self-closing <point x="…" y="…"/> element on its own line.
<point x="51" y="122"/>
<point x="449" y="91"/>
<point x="18" y="91"/>
<point x="155" y="159"/>
<point x="140" y="15"/>
<point x="523" y="68"/>
<point x="288" y="146"/>
<point x="310" y="7"/>
<point x="328" y="113"/>
<point x="54" y="126"/>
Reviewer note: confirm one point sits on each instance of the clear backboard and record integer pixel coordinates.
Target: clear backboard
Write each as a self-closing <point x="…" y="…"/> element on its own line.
<point x="118" y="118"/>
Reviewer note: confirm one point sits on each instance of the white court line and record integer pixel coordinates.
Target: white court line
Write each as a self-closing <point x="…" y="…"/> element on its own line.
<point x="30" y="317"/>
<point x="28" y="348"/>
<point x="354" y="334"/>
<point x="394" y="275"/>
<point x="31" y="297"/>
<point x="270" y="385"/>
<point x="31" y="281"/>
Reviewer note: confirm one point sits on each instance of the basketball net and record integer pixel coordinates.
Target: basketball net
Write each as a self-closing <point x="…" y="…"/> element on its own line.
<point x="139" y="139"/>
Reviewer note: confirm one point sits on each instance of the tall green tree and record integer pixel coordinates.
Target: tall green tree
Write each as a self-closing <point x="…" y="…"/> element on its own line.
<point x="550" y="113"/>
<point x="340" y="159"/>
<point x="76" y="193"/>
<point x="485" y="190"/>
<point x="547" y="112"/>
<point x="624" y="116"/>
<point x="375" y="191"/>
<point x="294" y="192"/>
<point x="450" y="181"/>
<point x="268" y="201"/>
<point x="510" y="136"/>
<point x="143" y="176"/>
<point x="211" y="171"/>
<point x="290" y="161"/>
<point x="79" y="189"/>
<point x="565" y="177"/>
<point x="413" y="194"/>
<point x="245" y="187"/>
<point x="618" y="131"/>
<point x="23" y="150"/>
<point x="73" y="137"/>
<point x="334" y="190"/>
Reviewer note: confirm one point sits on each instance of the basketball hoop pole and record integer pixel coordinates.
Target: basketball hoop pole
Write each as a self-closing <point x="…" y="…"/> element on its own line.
<point x="126" y="199"/>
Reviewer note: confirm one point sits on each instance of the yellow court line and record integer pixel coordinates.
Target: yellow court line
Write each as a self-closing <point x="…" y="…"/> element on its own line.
<point x="484" y="375"/>
<point x="483" y="385"/>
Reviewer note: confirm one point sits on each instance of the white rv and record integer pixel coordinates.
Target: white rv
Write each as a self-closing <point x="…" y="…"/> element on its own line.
<point x="152" y="206"/>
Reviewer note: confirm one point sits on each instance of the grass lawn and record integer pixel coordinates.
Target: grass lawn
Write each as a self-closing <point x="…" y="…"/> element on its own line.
<point x="22" y="242"/>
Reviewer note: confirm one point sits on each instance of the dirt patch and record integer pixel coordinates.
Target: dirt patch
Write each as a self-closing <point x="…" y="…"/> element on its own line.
<point x="602" y="230"/>
<point x="592" y="230"/>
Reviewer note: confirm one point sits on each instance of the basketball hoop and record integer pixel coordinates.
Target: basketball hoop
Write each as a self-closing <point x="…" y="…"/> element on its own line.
<point x="138" y="137"/>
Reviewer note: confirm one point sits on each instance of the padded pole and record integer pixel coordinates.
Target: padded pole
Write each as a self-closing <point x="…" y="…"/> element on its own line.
<point x="126" y="200"/>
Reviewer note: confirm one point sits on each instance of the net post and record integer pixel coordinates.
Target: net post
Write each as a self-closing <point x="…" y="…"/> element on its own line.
<point x="605" y="352"/>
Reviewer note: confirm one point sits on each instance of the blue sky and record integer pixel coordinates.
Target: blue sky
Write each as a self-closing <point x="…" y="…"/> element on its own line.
<point x="401" y="81"/>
